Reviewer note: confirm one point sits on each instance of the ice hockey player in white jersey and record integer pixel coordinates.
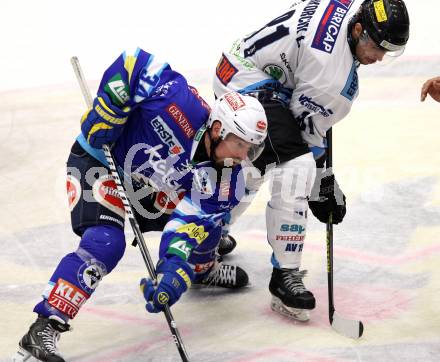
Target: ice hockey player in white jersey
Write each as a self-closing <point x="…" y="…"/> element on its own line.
<point x="302" y="66"/>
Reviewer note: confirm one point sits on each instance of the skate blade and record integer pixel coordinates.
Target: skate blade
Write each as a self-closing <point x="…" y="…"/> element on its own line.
<point x="301" y="315"/>
<point x="22" y="355"/>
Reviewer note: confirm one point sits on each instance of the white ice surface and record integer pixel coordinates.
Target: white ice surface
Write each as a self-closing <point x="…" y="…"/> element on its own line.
<point x="387" y="250"/>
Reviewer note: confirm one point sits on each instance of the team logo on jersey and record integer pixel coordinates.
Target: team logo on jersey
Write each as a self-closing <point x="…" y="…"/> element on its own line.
<point x="234" y="100"/>
<point x="290" y="237"/>
<point x="276" y="72"/>
<point x="181" y="120"/>
<point x="164" y="203"/>
<point x="225" y="189"/>
<point x="313" y="106"/>
<point x="203" y="268"/>
<point x="73" y="191"/>
<point x="283" y="58"/>
<point x="293" y="228"/>
<point x="225" y="70"/>
<point x="167" y="136"/>
<point x="225" y="206"/>
<point x="180" y="248"/>
<point x="200" y="133"/>
<point x="352" y="84"/>
<point x="149" y="78"/>
<point x="106" y="193"/>
<point x="330" y="25"/>
<point x="199" y="97"/>
<point x="117" y="90"/>
<point x="202" y="182"/>
<point x="292" y="247"/>
<point x="89" y="275"/>
<point x="165" y="176"/>
<point x="163" y="89"/>
<point x="67" y="298"/>
<point x="193" y="231"/>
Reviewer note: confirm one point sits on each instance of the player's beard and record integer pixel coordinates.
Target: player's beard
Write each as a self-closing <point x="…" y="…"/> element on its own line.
<point x="220" y="164"/>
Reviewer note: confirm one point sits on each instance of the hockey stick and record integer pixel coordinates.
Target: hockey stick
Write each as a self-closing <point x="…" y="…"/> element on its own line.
<point x="129" y="210"/>
<point x="347" y="327"/>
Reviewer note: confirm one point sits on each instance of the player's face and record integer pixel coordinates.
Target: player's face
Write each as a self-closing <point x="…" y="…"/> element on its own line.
<point x="231" y="151"/>
<point x="367" y="51"/>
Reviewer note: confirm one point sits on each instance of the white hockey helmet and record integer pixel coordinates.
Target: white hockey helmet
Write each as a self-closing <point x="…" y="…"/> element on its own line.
<point x="243" y="116"/>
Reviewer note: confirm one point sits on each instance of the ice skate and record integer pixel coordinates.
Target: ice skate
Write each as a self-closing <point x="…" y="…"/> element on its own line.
<point x="226" y="245"/>
<point x="289" y="295"/>
<point x="226" y="276"/>
<point x="40" y="341"/>
<point x="302" y="315"/>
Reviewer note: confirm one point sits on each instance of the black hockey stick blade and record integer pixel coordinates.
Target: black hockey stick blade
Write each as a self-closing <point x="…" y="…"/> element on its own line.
<point x="347" y="327"/>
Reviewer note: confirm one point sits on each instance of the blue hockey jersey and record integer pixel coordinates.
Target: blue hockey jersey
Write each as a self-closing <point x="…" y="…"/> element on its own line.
<point x="155" y="121"/>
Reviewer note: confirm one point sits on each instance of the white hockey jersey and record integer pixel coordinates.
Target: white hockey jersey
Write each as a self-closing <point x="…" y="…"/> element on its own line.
<point x="305" y="54"/>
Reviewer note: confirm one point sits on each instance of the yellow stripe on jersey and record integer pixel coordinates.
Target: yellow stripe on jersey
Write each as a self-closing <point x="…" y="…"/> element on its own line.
<point x="129" y="63"/>
<point x="97" y="127"/>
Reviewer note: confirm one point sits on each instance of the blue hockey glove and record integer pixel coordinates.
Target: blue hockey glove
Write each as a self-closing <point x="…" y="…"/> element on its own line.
<point x="174" y="276"/>
<point x="104" y="123"/>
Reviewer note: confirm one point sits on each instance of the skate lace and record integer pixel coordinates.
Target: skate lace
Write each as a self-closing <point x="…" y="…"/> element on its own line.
<point x="222" y="275"/>
<point x="50" y="337"/>
<point x="293" y="280"/>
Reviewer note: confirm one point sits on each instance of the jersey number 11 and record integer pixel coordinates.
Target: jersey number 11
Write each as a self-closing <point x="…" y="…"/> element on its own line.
<point x="280" y="32"/>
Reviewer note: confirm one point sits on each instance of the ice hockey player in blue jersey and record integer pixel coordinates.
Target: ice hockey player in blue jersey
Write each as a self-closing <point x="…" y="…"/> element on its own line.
<point x="183" y="174"/>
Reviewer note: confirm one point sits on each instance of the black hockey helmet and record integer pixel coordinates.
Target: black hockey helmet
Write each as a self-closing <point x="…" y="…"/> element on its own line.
<point x="387" y="23"/>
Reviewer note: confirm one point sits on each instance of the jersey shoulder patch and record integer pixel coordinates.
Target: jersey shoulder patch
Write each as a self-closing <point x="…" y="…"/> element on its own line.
<point x="352" y="85"/>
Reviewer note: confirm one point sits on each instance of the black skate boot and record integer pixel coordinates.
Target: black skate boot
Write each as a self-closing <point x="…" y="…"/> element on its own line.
<point x="289" y="295"/>
<point x="226" y="245"/>
<point x="226" y="276"/>
<point x="40" y="341"/>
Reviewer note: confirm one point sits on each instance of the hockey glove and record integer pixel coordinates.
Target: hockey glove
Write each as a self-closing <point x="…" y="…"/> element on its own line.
<point x="103" y="123"/>
<point x="174" y="276"/>
<point x="327" y="198"/>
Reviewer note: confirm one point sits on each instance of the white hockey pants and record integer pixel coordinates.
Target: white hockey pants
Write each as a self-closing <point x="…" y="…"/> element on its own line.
<point x="286" y="212"/>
